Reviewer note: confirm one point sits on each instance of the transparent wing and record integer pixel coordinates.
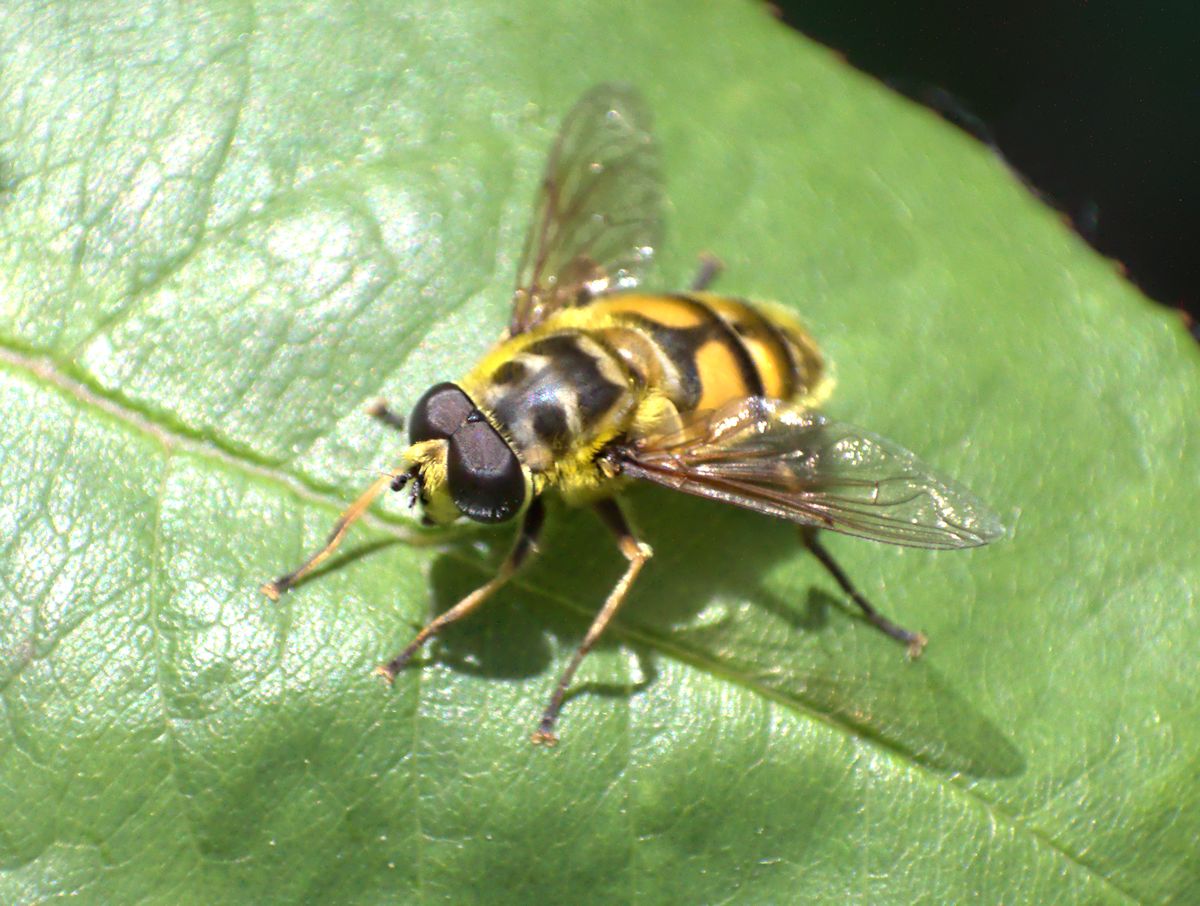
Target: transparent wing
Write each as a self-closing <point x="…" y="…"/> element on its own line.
<point x="775" y="458"/>
<point x="597" y="218"/>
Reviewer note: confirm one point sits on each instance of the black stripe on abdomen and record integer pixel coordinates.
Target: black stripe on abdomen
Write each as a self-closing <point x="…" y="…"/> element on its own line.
<point x="681" y="344"/>
<point x="767" y="332"/>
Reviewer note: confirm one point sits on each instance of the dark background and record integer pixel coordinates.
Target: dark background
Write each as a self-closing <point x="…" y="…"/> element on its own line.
<point x="1095" y="104"/>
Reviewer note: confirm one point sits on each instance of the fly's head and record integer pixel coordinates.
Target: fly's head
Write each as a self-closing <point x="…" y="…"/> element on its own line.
<point x="459" y="464"/>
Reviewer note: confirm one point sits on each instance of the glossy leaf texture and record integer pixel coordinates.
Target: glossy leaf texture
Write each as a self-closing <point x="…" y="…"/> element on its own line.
<point x="226" y="227"/>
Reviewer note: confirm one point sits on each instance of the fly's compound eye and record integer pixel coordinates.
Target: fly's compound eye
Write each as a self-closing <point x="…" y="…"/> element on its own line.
<point x="485" y="478"/>
<point x="441" y="410"/>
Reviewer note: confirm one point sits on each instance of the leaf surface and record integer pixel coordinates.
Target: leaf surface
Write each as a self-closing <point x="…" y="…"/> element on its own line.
<point x="226" y="227"/>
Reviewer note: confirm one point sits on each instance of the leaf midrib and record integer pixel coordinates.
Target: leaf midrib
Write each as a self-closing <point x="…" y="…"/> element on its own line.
<point x="48" y="370"/>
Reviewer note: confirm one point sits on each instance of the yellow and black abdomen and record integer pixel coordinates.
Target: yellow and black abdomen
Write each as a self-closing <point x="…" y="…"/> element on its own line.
<point x="702" y="350"/>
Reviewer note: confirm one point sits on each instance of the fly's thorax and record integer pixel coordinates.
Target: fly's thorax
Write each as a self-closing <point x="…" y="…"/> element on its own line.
<point x="558" y="395"/>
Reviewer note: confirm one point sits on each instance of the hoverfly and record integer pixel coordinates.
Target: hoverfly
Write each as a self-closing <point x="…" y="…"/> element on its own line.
<point x="595" y="385"/>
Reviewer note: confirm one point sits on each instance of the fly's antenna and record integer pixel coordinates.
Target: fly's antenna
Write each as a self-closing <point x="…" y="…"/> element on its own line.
<point x="379" y="411"/>
<point x="379" y="473"/>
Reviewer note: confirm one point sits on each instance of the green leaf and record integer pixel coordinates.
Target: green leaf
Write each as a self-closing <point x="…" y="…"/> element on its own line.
<point x="225" y="227"/>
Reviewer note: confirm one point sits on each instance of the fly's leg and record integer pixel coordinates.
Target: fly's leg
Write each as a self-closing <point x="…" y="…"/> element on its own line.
<point x="379" y="410"/>
<point x="526" y="544"/>
<point x="710" y="268"/>
<point x="274" y="589"/>
<point x="637" y="554"/>
<point x="351" y="515"/>
<point x="915" y="641"/>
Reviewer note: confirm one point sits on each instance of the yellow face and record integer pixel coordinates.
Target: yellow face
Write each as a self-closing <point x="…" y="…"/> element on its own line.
<point x="427" y="465"/>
